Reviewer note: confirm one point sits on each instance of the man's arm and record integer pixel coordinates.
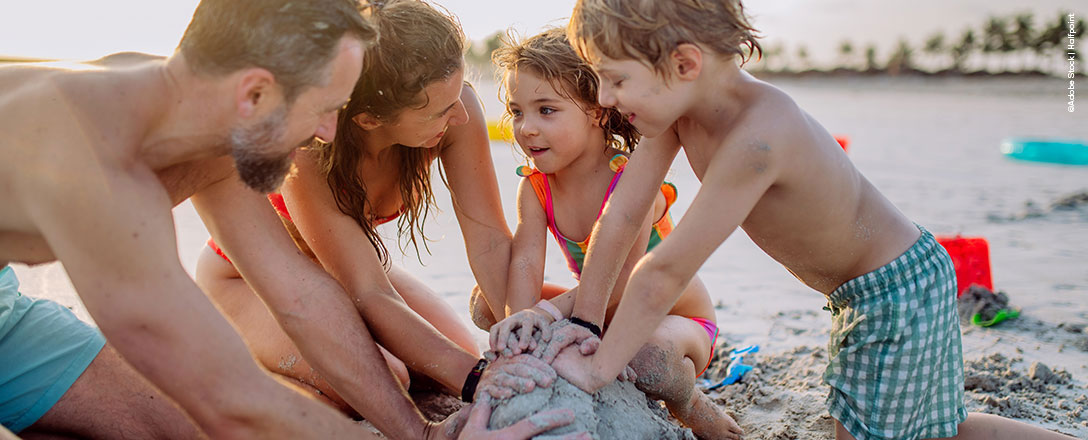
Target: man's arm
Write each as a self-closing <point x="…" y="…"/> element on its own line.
<point x="621" y="223"/>
<point x="113" y="231"/>
<point x="311" y="306"/>
<point x="475" y="193"/>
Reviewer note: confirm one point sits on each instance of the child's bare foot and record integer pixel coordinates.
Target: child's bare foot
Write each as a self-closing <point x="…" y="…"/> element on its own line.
<point x="706" y="419"/>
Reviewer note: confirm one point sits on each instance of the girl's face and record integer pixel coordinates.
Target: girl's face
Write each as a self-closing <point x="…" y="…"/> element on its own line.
<point x="425" y="127"/>
<point x="551" y="129"/>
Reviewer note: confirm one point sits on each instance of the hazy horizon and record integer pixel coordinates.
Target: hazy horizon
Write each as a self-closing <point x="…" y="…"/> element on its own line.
<point x="61" y="30"/>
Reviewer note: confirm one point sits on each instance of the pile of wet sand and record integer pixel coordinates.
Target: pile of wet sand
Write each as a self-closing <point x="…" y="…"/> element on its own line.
<point x="618" y="411"/>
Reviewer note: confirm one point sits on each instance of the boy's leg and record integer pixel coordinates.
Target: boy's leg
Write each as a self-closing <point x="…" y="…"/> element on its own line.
<point x="666" y="370"/>
<point x="267" y="341"/>
<point x="980" y="426"/>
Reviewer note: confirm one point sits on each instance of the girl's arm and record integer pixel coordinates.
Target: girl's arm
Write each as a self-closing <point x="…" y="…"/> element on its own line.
<point x="466" y="159"/>
<point x="621" y="223"/>
<point x="343" y="249"/>
<point x="526" y="272"/>
<point x="526" y="275"/>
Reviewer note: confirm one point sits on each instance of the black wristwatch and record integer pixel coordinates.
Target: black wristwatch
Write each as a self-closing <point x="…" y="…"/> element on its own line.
<point x="468" y="391"/>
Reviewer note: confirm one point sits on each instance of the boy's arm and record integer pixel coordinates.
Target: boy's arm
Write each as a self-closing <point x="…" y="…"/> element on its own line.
<point x="113" y="231"/>
<point x="311" y="307"/>
<point x="732" y="186"/>
<point x="619" y="226"/>
<point x="466" y="161"/>
<point x="526" y="273"/>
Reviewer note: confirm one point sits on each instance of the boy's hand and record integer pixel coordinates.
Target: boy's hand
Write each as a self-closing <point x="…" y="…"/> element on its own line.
<point x="570" y="334"/>
<point x="524" y="323"/>
<point x="535" y="424"/>
<point x="578" y="370"/>
<point x="506" y="377"/>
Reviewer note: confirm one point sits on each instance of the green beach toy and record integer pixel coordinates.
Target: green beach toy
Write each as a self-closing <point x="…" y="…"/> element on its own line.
<point x="1001" y="315"/>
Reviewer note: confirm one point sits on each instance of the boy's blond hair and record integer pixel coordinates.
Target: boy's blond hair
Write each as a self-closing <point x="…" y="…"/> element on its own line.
<point x="550" y="56"/>
<point x="649" y="30"/>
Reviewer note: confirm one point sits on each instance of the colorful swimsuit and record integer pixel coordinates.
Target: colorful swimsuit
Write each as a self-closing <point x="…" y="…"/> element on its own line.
<point x="277" y="202"/>
<point x="575" y="251"/>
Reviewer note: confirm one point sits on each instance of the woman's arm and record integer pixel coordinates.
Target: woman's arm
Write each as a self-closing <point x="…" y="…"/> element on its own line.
<point x="466" y="159"/>
<point x="343" y="249"/>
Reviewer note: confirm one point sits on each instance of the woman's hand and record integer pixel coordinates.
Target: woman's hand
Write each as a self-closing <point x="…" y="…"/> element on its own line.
<point x="515" y="333"/>
<point x="507" y="376"/>
<point x="478" y="417"/>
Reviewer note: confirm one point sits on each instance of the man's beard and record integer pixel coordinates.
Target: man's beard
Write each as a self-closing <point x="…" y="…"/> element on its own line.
<point x="250" y="147"/>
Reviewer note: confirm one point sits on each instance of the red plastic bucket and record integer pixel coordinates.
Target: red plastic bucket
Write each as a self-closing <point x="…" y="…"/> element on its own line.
<point x="843" y="140"/>
<point x="971" y="258"/>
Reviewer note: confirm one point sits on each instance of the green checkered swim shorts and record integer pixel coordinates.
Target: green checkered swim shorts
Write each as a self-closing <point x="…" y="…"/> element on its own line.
<point x="896" y="360"/>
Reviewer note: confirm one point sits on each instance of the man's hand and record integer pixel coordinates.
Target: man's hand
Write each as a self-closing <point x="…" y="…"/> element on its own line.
<point x="578" y="370"/>
<point x="525" y="429"/>
<point x="569" y="334"/>
<point x="524" y="323"/>
<point x="508" y="376"/>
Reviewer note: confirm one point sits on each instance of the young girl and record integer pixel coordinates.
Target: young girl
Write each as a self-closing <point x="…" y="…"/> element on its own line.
<point x="578" y="151"/>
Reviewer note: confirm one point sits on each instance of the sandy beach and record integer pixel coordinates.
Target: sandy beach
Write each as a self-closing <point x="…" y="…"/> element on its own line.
<point x="931" y="146"/>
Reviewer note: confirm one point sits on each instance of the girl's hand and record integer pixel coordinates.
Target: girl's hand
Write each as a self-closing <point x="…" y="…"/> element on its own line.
<point x="516" y="332"/>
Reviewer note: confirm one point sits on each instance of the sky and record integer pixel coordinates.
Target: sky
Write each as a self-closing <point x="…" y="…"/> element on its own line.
<point x="87" y="29"/>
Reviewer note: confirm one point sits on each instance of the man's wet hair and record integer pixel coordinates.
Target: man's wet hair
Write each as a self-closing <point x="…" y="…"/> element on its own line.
<point x="295" y="40"/>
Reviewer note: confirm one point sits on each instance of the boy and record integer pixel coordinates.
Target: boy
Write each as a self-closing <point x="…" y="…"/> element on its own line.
<point x="896" y="368"/>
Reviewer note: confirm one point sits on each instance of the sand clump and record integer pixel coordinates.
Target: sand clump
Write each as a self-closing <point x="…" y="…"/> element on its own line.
<point x="1000" y="385"/>
<point x="618" y="411"/>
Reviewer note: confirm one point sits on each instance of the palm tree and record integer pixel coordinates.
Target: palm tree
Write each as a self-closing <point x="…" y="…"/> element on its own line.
<point x="994" y="37"/>
<point x="934" y="47"/>
<point x="802" y="56"/>
<point x="846" y="50"/>
<point x="961" y="51"/>
<point x="901" y="60"/>
<point x="1022" y="36"/>
<point x="870" y="58"/>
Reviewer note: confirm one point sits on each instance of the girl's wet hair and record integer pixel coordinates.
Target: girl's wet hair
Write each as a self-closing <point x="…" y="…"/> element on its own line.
<point x="550" y="56"/>
<point x="418" y="45"/>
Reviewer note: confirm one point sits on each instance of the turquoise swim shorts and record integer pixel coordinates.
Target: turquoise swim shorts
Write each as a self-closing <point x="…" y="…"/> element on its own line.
<point x="896" y="360"/>
<point x="44" y="348"/>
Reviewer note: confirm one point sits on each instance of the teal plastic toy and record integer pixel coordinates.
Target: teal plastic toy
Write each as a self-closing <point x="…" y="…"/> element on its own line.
<point x="1059" y="151"/>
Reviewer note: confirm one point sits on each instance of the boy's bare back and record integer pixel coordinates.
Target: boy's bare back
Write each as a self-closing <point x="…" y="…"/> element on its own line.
<point x="777" y="172"/>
